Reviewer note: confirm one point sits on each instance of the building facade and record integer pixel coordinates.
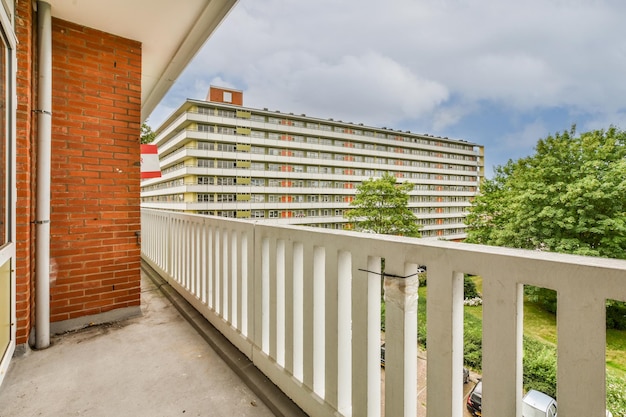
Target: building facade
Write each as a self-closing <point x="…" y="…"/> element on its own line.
<point x="76" y="81"/>
<point x="220" y="158"/>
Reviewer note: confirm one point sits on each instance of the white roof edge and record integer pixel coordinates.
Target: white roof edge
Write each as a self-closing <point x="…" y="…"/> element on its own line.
<point x="210" y="18"/>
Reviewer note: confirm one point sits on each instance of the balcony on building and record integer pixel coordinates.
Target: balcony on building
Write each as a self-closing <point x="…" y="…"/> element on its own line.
<point x="304" y="306"/>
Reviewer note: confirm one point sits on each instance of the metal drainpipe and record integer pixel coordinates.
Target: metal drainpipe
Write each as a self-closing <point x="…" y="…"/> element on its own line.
<point x="44" y="145"/>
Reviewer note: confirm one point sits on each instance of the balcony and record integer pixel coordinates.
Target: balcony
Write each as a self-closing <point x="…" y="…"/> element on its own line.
<point x="304" y="306"/>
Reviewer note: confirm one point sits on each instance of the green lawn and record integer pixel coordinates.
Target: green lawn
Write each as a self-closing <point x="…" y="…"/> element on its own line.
<point x="541" y="339"/>
<point x="541" y="325"/>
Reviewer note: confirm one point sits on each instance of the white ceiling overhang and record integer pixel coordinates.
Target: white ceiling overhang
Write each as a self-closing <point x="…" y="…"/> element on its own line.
<point x="171" y="33"/>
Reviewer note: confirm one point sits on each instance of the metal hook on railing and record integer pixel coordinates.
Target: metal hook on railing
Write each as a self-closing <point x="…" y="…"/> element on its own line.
<point x="383" y="274"/>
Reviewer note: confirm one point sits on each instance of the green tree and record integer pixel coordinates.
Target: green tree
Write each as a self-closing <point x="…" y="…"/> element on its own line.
<point x="569" y="197"/>
<point x="147" y="135"/>
<point x="381" y="206"/>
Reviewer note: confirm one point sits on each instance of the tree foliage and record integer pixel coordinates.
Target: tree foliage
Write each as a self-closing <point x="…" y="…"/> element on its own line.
<point x="570" y="197"/>
<point x="147" y="135"/>
<point x="381" y="206"/>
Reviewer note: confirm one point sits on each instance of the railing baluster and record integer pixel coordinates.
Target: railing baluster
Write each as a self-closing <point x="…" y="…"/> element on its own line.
<point x="502" y="345"/>
<point x="400" y="337"/>
<point x="298" y="313"/>
<point x="288" y="311"/>
<point x="331" y="336"/>
<point x="366" y="373"/>
<point x="581" y="325"/>
<point x="344" y="332"/>
<point x="445" y="341"/>
<point x="235" y="280"/>
<point x="225" y="281"/>
<point x="308" y="320"/>
<point x="280" y="302"/>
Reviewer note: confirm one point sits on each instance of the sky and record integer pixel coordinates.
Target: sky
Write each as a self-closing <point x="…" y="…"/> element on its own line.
<point x="499" y="73"/>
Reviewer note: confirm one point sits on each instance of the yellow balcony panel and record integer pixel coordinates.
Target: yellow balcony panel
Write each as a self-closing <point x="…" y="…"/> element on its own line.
<point x="243" y="181"/>
<point x="243" y="147"/>
<point x="243" y="197"/>
<point x="243" y="131"/>
<point x="243" y="214"/>
<point x="243" y="164"/>
<point x="242" y="114"/>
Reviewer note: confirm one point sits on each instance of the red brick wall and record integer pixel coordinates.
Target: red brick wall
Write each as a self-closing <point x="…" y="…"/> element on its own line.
<point x="95" y="172"/>
<point x="216" y="94"/>
<point x="24" y="268"/>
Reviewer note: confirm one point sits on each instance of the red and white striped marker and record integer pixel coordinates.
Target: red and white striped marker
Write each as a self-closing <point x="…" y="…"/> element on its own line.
<point x="150" y="167"/>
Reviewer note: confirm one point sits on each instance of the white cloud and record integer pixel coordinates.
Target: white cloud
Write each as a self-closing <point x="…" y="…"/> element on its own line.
<point x="430" y="64"/>
<point x="354" y="86"/>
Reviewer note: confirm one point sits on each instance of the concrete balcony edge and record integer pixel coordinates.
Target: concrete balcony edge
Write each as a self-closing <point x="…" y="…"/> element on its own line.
<point x="263" y="387"/>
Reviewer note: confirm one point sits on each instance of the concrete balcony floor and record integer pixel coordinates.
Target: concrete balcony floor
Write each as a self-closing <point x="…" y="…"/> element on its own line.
<point x="153" y="365"/>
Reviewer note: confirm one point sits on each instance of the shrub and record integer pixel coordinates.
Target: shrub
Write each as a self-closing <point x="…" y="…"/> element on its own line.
<point x="615" y="315"/>
<point x="539" y="366"/>
<point x="544" y="297"/>
<point x="382" y="316"/>
<point x="469" y="288"/>
<point x="473" y="343"/>
<point x="616" y="395"/>
<point x="473" y="302"/>
<point x="422" y="279"/>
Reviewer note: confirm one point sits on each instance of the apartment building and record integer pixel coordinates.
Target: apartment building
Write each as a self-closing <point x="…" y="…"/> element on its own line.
<point x="220" y="158"/>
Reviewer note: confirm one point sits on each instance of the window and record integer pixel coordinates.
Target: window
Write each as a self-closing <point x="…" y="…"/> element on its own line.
<point x="257" y="150"/>
<point x="228" y="97"/>
<point x="202" y="198"/>
<point x="273" y="214"/>
<point x="205" y="180"/>
<point x="226" y="164"/>
<point x="225" y="181"/>
<point x="226" y="130"/>
<point x="226" y="198"/>
<point x="206" y="163"/>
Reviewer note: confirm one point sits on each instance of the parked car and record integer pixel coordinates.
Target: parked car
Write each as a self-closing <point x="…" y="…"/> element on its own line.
<point x="466" y="375"/>
<point x="475" y="399"/>
<point x="534" y="403"/>
<point x="538" y="404"/>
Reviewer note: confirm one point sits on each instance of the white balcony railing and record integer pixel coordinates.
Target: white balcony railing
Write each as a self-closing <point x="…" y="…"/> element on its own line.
<point x="304" y="306"/>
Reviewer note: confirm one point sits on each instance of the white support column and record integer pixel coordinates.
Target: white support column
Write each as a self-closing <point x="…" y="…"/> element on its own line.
<point x="366" y="373"/>
<point x="330" y="326"/>
<point x="502" y="346"/>
<point x="581" y="338"/>
<point x="401" y="339"/>
<point x="445" y="342"/>
<point x="308" y="313"/>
